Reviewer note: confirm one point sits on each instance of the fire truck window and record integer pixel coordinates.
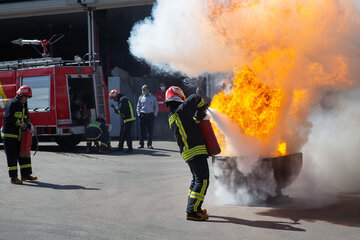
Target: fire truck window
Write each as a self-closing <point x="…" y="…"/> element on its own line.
<point x="40" y="86"/>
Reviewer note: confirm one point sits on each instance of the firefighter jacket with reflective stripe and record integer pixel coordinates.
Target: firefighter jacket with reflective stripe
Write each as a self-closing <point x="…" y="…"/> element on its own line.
<point x="95" y="130"/>
<point x="125" y="109"/>
<point x="15" y="113"/>
<point x="185" y="129"/>
<point x="99" y="125"/>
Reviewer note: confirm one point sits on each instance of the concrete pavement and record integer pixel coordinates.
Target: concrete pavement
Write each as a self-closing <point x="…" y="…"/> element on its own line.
<point x="143" y="196"/>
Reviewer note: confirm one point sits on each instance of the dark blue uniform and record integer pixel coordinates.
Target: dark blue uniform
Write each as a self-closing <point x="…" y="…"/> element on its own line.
<point x="126" y="111"/>
<point x="97" y="131"/>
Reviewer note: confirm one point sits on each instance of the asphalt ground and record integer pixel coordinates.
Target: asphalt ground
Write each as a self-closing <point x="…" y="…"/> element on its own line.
<point x="143" y="196"/>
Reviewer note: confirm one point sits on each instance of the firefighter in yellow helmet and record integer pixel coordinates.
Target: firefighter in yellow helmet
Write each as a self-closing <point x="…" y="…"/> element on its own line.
<point x="16" y="120"/>
<point x="191" y="144"/>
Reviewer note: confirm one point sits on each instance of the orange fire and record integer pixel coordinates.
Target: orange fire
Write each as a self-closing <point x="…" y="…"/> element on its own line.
<point x="285" y="58"/>
<point x="252" y="105"/>
<point x="281" y="149"/>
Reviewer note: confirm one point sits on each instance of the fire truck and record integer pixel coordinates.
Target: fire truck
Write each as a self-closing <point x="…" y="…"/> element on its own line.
<point x="66" y="96"/>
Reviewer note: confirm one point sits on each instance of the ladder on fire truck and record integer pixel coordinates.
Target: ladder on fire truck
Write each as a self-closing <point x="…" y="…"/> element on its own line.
<point x="32" y="62"/>
<point x="99" y="96"/>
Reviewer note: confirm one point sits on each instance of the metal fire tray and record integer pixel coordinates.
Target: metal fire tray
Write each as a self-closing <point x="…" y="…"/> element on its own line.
<point x="283" y="169"/>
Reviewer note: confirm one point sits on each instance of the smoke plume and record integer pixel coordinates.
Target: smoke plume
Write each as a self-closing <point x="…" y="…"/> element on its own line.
<point x="332" y="152"/>
<point x="307" y="48"/>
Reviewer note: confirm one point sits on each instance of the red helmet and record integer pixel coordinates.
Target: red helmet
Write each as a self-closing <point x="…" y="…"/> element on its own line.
<point x="174" y="94"/>
<point x="100" y="118"/>
<point x="24" y="90"/>
<point x="114" y="93"/>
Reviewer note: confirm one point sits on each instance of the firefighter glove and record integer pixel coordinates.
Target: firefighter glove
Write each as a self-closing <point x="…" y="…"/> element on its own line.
<point x="23" y="126"/>
<point x="201" y="113"/>
<point x="116" y="110"/>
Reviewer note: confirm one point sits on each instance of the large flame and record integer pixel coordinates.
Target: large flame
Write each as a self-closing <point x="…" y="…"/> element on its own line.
<point x="251" y="104"/>
<point x="269" y="96"/>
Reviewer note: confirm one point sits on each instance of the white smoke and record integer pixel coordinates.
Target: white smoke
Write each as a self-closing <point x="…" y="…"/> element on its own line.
<point x="332" y="151"/>
<point x="243" y="181"/>
<point x="179" y="37"/>
<point x="239" y="144"/>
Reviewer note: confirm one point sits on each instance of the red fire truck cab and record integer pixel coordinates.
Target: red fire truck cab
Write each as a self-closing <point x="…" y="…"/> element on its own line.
<point x="65" y="96"/>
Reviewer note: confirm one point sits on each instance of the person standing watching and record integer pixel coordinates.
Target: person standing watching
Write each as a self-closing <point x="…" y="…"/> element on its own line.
<point x="162" y="118"/>
<point x="147" y="108"/>
<point x="192" y="146"/>
<point x="126" y="110"/>
<point x="16" y="120"/>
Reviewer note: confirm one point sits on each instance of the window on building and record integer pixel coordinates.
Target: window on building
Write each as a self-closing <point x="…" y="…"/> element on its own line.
<point x="40" y="86"/>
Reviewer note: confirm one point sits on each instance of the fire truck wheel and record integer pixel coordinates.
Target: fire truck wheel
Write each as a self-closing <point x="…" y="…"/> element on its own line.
<point x="69" y="141"/>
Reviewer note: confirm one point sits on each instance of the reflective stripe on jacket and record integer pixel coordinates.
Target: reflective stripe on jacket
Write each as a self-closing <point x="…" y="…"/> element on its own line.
<point x="15" y="113"/>
<point x="185" y="129"/>
<point x="96" y="125"/>
<point x="95" y="130"/>
<point x="126" y="110"/>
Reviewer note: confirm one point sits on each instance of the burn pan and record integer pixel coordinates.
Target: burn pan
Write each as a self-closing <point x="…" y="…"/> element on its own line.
<point x="267" y="178"/>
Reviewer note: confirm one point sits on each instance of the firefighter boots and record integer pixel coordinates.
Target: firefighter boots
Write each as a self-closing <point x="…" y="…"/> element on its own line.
<point x="109" y="149"/>
<point x="15" y="180"/>
<point x="203" y="211"/>
<point x="129" y="150"/>
<point x="197" y="216"/>
<point x="28" y="178"/>
<point x="106" y="149"/>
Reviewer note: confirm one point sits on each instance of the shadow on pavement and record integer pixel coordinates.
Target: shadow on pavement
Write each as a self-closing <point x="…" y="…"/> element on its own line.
<point x="345" y="211"/>
<point x="82" y="149"/>
<point x="167" y="150"/>
<point x="56" y="148"/>
<point x="152" y="152"/>
<point x="259" y="224"/>
<point x="57" y="186"/>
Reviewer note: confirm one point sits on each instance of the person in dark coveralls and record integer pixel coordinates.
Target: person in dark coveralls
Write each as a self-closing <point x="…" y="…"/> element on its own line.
<point x="183" y="117"/>
<point x="95" y="132"/>
<point x="146" y="108"/>
<point x="16" y="120"/>
<point x="126" y="111"/>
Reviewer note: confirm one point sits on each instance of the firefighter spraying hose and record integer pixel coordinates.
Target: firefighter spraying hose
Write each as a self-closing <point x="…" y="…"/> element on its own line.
<point x="16" y="135"/>
<point x="196" y="141"/>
